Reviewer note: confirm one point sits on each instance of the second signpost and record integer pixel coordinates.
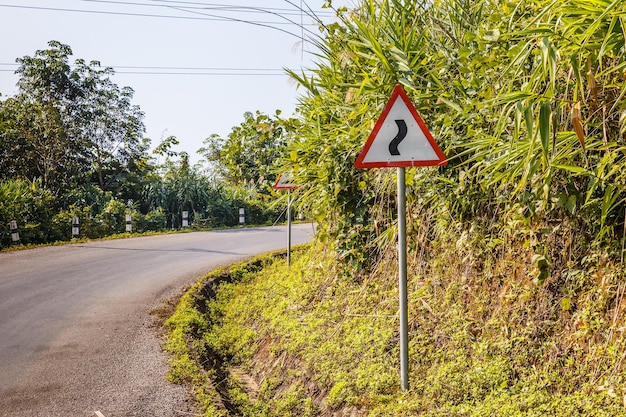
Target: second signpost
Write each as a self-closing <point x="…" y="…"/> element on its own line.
<point x="284" y="182"/>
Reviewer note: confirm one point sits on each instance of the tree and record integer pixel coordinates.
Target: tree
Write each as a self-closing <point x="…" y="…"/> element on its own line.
<point x="69" y="122"/>
<point x="37" y="121"/>
<point x="15" y="155"/>
<point x="252" y="150"/>
<point x="109" y="122"/>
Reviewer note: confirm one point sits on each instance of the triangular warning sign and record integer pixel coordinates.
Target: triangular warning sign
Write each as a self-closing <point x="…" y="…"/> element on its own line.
<point x="284" y="182"/>
<point x="400" y="138"/>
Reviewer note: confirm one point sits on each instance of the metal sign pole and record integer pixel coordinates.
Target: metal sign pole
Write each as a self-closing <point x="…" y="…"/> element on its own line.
<point x="404" y="321"/>
<point x="284" y="183"/>
<point x="289" y="227"/>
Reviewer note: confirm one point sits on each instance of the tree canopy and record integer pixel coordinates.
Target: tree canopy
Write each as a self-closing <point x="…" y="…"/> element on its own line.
<point x="68" y="123"/>
<point x="253" y="150"/>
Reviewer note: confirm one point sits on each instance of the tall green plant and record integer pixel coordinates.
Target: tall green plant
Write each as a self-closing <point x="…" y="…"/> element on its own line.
<point x="70" y="124"/>
<point x="525" y="98"/>
<point x="372" y="49"/>
<point x="558" y="97"/>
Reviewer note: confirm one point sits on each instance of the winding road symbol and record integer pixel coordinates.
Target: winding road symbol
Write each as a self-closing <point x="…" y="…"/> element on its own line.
<point x="402" y="130"/>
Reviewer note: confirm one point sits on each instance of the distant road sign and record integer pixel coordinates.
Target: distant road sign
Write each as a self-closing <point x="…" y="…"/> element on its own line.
<point x="284" y="182"/>
<point x="400" y="138"/>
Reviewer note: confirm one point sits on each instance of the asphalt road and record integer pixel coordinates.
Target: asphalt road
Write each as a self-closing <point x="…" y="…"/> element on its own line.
<point x="76" y="333"/>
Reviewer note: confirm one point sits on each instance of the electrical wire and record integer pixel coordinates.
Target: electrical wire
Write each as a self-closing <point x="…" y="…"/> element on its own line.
<point x="191" y="7"/>
<point x="203" y="16"/>
<point x="281" y="13"/>
<point x="233" y="19"/>
<point x="107" y="12"/>
<point x="168" y="70"/>
<point x="211" y="6"/>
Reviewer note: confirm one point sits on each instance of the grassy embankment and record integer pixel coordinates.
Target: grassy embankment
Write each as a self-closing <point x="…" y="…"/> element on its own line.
<point x="488" y="337"/>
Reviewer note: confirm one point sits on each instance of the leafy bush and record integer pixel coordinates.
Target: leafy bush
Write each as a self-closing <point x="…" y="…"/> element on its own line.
<point x="113" y="217"/>
<point x="88" y="225"/>
<point x="208" y="202"/>
<point x="31" y="206"/>
<point x="154" y="220"/>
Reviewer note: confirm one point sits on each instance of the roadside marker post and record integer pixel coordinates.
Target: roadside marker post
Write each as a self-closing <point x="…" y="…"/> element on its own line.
<point x="15" y="233"/>
<point x="242" y="216"/>
<point x="75" y="227"/>
<point x="400" y="139"/>
<point x="283" y="182"/>
<point x="185" y="219"/>
<point x="129" y="224"/>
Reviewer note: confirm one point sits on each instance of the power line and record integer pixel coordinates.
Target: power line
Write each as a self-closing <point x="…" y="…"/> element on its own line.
<point x="197" y="8"/>
<point x="206" y="18"/>
<point x="210" y="73"/>
<point x="226" y="74"/>
<point x="108" y="12"/>
<point x="211" y="6"/>
<point x="165" y="70"/>
<point x="187" y="9"/>
<point x="267" y="25"/>
<point x="194" y="68"/>
<point x="309" y="13"/>
<point x="170" y="70"/>
<point x="144" y="67"/>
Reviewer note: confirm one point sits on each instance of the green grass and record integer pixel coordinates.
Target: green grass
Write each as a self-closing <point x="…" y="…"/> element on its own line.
<point x="485" y="338"/>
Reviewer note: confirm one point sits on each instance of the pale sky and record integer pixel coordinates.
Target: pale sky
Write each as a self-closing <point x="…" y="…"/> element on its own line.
<point x="192" y="76"/>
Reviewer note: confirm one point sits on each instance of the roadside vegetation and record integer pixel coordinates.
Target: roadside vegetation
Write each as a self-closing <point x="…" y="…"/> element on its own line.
<point x="262" y="339"/>
<point x="72" y="145"/>
<point x="516" y="247"/>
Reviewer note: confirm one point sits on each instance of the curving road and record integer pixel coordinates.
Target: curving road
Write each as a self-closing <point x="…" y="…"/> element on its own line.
<point x="76" y="333"/>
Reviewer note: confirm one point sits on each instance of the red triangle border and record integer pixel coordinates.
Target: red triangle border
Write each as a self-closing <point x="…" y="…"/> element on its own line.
<point x="283" y="186"/>
<point x="399" y="91"/>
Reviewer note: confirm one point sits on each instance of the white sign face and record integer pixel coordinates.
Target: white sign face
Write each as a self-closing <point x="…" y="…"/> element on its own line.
<point x="400" y="138"/>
